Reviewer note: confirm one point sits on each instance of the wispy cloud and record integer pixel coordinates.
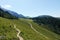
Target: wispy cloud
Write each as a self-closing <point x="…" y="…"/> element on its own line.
<point x="6" y="6"/>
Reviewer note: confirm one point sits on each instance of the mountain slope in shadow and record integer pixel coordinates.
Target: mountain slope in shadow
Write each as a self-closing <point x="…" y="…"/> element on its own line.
<point x="6" y="14"/>
<point x="48" y="22"/>
<point x="10" y="14"/>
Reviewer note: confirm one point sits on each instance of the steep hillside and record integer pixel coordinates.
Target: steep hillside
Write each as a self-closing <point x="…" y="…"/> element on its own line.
<point x="48" y="22"/>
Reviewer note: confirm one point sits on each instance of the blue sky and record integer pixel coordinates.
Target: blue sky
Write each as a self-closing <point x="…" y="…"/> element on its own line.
<point x="33" y="7"/>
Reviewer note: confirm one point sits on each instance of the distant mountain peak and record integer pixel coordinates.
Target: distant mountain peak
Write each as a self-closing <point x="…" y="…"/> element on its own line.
<point x="13" y="13"/>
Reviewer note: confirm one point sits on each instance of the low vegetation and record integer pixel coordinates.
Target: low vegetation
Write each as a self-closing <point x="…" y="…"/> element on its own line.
<point x="7" y="31"/>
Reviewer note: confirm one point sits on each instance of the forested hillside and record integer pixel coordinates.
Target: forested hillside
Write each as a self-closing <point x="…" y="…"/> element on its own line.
<point x="51" y="23"/>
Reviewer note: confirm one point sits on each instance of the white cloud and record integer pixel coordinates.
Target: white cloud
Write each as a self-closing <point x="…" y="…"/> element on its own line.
<point x="6" y="6"/>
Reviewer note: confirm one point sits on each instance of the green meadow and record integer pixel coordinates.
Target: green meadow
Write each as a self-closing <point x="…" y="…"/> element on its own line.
<point x="7" y="31"/>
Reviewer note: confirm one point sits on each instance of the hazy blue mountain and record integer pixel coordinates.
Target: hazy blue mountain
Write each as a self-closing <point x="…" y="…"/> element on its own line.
<point x="12" y="13"/>
<point x="6" y="14"/>
<point x="16" y="14"/>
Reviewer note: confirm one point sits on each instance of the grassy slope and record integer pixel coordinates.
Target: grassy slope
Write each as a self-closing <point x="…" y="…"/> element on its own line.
<point x="6" y="30"/>
<point x="45" y="32"/>
<point x="10" y="32"/>
<point x="27" y="33"/>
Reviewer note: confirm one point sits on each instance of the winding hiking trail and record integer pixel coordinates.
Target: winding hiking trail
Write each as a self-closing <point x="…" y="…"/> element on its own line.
<point x="37" y="31"/>
<point x="20" y="38"/>
<point x="40" y="33"/>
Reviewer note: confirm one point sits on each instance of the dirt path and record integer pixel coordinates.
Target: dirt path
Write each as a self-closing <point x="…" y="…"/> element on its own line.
<point x="37" y="31"/>
<point x="20" y="38"/>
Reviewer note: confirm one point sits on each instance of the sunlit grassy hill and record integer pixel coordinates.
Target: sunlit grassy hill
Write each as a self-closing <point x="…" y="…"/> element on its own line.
<point x="8" y="32"/>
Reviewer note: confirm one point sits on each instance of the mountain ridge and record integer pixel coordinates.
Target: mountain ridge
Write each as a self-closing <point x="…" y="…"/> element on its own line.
<point x="12" y="13"/>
